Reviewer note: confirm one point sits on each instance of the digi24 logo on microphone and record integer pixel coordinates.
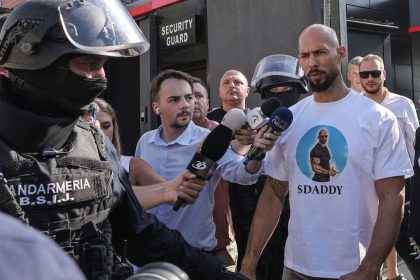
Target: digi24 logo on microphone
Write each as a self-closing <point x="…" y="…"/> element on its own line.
<point x="202" y="166"/>
<point x="199" y="165"/>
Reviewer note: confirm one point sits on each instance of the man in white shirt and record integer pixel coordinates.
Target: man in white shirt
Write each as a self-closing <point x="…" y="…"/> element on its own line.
<point x="346" y="227"/>
<point x="401" y="106"/>
<point x="372" y="77"/>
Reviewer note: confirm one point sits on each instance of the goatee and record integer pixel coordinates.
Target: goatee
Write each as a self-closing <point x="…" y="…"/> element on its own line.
<point x="375" y="90"/>
<point x="322" y="86"/>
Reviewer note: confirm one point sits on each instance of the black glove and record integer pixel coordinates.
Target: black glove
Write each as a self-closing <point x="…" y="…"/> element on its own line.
<point x="227" y="275"/>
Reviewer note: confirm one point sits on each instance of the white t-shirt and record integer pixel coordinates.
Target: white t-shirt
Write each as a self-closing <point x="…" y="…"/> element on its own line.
<point x="404" y="110"/>
<point x="331" y="222"/>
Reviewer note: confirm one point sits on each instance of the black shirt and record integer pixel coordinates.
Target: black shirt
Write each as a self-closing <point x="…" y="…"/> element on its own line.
<point x="216" y="114"/>
<point x="324" y="155"/>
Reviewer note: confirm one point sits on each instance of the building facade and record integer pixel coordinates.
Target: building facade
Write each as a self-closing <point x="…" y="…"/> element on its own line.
<point x="207" y="37"/>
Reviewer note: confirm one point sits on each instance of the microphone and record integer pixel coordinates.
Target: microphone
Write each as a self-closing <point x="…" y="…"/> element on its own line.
<point x="204" y="163"/>
<point x="258" y="117"/>
<point x="279" y="121"/>
<point x="234" y="119"/>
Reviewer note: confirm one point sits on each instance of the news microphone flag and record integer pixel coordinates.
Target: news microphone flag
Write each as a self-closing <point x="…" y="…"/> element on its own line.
<point x="258" y="117"/>
<point x="279" y="121"/>
<point x="204" y="163"/>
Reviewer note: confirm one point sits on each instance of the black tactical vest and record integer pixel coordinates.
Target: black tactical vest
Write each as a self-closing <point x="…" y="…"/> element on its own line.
<point x="61" y="191"/>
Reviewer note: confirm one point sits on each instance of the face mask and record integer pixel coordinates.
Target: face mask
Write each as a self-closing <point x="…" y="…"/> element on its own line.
<point x="80" y="90"/>
<point x="55" y="90"/>
<point x="287" y="98"/>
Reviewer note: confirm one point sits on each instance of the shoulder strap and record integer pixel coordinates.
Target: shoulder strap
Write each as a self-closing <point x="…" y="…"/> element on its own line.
<point x="97" y="134"/>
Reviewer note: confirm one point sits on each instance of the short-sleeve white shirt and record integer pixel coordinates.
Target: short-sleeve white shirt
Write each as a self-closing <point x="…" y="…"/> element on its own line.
<point x="403" y="108"/>
<point x="331" y="223"/>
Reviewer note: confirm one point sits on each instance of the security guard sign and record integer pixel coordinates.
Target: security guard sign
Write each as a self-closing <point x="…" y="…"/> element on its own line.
<point x="179" y="33"/>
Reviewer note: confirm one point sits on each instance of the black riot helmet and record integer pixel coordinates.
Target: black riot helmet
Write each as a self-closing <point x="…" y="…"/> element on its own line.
<point x="38" y="32"/>
<point x="279" y="76"/>
<point x="40" y="37"/>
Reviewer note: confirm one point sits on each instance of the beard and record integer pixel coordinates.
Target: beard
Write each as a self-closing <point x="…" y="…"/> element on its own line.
<point x="182" y="123"/>
<point x="323" y="85"/>
<point x="179" y="125"/>
<point x="374" y="90"/>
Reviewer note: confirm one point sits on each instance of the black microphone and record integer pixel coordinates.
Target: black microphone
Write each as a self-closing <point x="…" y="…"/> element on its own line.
<point x="258" y="117"/>
<point x="279" y="121"/>
<point x="204" y="163"/>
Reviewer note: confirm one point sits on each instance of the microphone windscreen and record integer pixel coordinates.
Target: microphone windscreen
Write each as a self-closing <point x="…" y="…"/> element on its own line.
<point x="280" y="119"/>
<point x="234" y="119"/>
<point x="270" y="105"/>
<point x="217" y="142"/>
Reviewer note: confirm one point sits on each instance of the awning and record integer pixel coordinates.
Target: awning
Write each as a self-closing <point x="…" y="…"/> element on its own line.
<point x="414" y="29"/>
<point x="142" y="7"/>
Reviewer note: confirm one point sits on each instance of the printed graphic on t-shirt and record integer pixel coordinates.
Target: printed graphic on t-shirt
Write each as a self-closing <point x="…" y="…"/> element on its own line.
<point x="322" y="153"/>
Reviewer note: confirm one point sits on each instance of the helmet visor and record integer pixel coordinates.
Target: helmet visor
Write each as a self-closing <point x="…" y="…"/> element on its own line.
<point x="277" y="65"/>
<point x="102" y="27"/>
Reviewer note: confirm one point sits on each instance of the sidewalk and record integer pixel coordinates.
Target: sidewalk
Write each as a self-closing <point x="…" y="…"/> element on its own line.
<point x="402" y="268"/>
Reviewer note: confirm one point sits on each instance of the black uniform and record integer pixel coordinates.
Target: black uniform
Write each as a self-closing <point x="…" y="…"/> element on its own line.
<point x="243" y="202"/>
<point x="271" y="72"/>
<point x="148" y="239"/>
<point x="59" y="169"/>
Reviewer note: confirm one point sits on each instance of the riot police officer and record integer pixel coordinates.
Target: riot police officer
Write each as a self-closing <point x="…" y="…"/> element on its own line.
<point x="62" y="171"/>
<point x="278" y="76"/>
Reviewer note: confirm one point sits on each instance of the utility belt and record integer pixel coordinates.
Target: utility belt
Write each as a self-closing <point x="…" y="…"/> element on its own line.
<point x="90" y="247"/>
<point x="94" y="253"/>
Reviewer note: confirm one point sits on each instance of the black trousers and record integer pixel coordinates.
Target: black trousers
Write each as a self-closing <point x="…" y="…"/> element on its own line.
<point x="403" y="248"/>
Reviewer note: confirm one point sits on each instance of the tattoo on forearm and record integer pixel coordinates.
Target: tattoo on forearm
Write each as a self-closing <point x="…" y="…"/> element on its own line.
<point x="280" y="188"/>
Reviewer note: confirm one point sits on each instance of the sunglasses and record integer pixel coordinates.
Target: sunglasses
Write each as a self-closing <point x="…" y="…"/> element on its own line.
<point x="374" y="74"/>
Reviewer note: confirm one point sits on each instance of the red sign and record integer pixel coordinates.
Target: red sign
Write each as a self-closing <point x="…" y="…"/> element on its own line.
<point x="414" y="29"/>
<point x="150" y="6"/>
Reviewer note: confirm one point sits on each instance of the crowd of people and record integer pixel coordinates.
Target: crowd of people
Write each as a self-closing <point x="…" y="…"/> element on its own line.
<point x="331" y="197"/>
